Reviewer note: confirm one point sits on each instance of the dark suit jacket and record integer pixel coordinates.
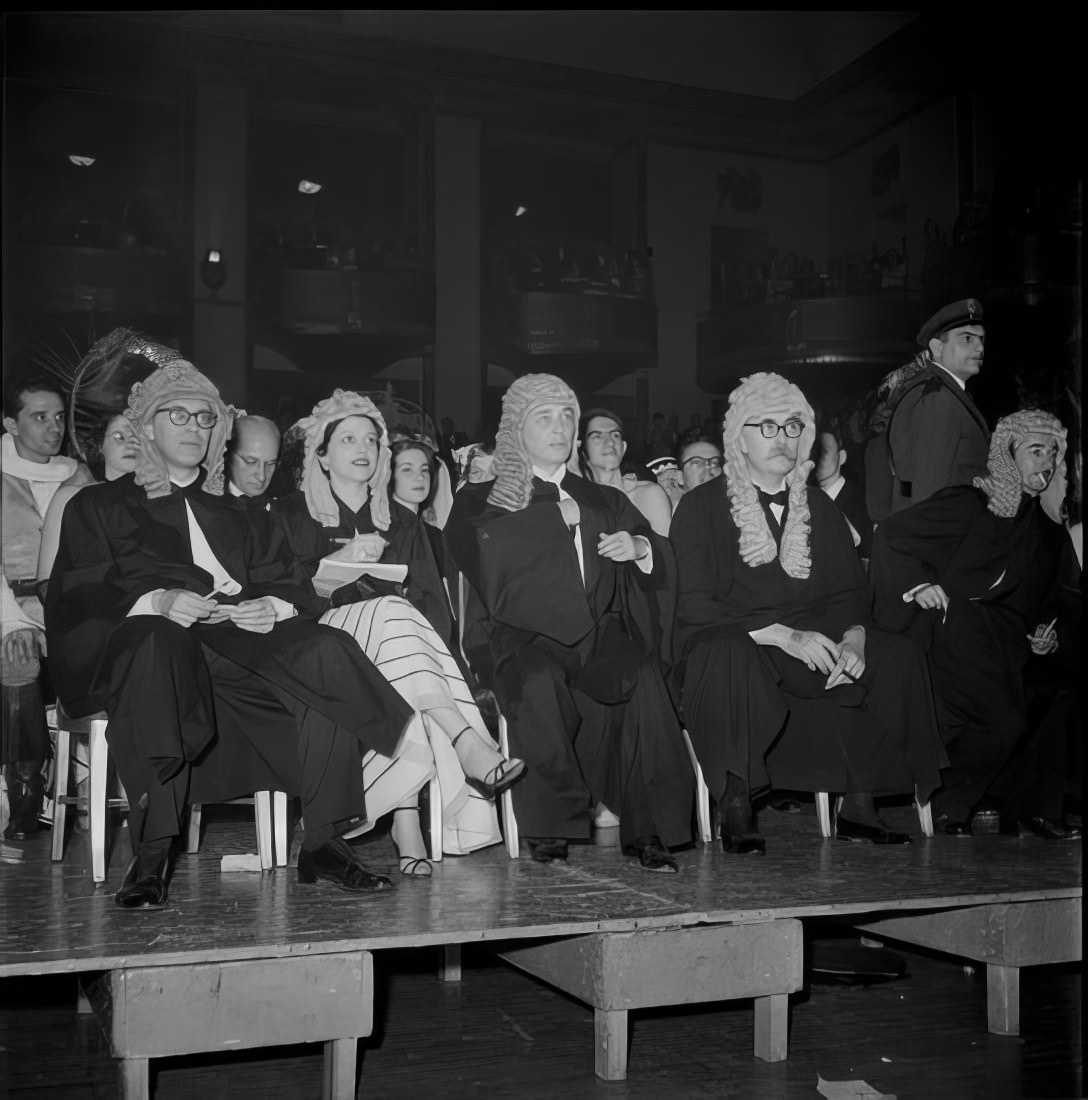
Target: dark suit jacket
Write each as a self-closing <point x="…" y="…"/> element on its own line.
<point x="937" y="438"/>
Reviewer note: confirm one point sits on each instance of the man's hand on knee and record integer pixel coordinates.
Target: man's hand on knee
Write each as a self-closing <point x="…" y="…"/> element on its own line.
<point x="814" y="649"/>
<point x="183" y="607"/>
<point x="258" y="616"/>
<point x="850" y="665"/>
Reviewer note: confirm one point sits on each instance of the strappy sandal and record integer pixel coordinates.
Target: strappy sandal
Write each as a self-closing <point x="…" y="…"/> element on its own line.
<point x="415" y="868"/>
<point x="501" y="778"/>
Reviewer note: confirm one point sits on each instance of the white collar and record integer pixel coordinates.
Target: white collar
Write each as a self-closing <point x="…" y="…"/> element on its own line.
<point x="959" y="381"/>
<point x="234" y="490"/>
<point x="183" y="484"/>
<point x="835" y="487"/>
<point x="555" y="479"/>
<point x="57" y="469"/>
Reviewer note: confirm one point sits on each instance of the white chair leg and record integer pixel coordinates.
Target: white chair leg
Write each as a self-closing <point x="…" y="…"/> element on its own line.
<point x="192" y="843"/>
<point x="262" y="814"/>
<point x="823" y="813"/>
<point x="98" y="798"/>
<point x="702" y="795"/>
<point x="506" y="799"/>
<point x="925" y="817"/>
<point x="435" y="800"/>
<point x="60" y="791"/>
<point x="279" y="822"/>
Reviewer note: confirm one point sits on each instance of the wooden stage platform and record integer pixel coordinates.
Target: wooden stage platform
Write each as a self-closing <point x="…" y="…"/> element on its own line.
<point x="243" y="960"/>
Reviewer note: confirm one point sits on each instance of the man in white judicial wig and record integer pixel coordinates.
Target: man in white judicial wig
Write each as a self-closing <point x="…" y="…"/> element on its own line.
<point x="173" y="609"/>
<point x="567" y="573"/>
<point x="785" y="682"/>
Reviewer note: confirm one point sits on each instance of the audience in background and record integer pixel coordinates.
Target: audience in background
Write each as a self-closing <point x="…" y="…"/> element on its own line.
<point x="33" y="472"/>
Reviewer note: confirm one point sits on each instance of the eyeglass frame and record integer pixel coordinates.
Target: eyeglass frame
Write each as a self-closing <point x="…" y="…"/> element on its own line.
<point x="189" y="416"/>
<point x="707" y="462"/>
<point x="777" y="428"/>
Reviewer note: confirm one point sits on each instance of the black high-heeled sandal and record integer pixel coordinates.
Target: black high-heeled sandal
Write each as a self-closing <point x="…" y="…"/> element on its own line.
<point x="501" y="777"/>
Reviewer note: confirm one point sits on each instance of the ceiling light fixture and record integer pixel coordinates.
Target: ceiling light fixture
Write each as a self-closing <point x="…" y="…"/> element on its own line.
<point x="81" y="162"/>
<point x="521" y="210"/>
<point x="308" y="187"/>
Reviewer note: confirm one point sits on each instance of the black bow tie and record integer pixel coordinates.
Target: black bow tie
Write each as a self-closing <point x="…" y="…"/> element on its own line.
<point x="544" y="491"/>
<point x="780" y="498"/>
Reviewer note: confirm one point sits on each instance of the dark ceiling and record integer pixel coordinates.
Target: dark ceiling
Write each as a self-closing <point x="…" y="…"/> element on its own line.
<point x="800" y="85"/>
<point x="806" y="85"/>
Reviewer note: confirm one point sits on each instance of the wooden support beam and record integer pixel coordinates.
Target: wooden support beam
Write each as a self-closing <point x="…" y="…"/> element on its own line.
<point x="615" y="972"/>
<point x="772" y="1027"/>
<point x="1002" y="999"/>
<point x="450" y="971"/>
<point x="610" y="1031"/>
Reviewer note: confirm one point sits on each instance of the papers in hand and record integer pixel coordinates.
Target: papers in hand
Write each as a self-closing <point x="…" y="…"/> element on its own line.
<point x="332" y="574"/>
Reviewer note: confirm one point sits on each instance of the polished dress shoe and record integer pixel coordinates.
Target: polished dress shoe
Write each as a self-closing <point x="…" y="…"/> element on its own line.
<point x="144" y="886"/>
<point x="743" y="844"/>
<point x="1041" y="827"/>
<point x="336" y="862"/>
<point x="868" y="834"/>
<point x="739" y="835"/>
<point x="946" y="826"/>
<point x="652" y="854"/>
<point x="546" y="848"/>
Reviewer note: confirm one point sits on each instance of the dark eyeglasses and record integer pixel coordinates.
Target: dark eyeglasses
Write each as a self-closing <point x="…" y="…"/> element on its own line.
<point x="701" y="463"/>
<point x="769" y="429"/>
<point x="179" y="417"/>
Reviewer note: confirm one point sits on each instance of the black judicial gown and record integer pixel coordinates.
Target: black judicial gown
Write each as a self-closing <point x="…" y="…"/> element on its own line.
<point x="998" y="574"/>
<point x="226" y="701"/>
<point x="576" y="663"/>
<point x="762" y="714"/>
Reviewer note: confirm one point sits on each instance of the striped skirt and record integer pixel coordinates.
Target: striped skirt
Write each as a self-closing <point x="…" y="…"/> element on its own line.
<point x="407" y="651"/>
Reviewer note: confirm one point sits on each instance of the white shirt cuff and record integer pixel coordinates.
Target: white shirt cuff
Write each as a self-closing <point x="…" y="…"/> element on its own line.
<point x="145" y="605"/>
<point x="284" y="610"/>
<point x="646" y="564"/>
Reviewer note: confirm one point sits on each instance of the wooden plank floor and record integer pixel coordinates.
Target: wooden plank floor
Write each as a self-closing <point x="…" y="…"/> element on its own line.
<point x="487" y="896"/>
<point x="501" y="1033"/>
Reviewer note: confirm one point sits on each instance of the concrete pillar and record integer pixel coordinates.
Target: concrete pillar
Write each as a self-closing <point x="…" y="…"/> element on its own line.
<point x="458" y="357"/>
<point x="220" y="216"/>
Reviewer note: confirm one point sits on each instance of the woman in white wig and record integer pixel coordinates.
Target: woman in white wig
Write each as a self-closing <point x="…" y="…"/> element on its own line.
<point x="342" y="509"/>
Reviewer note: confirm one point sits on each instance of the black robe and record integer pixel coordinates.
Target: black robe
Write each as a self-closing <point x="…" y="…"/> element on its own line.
<point x="756" y="711"/>
<point x="213" y="711"/>
<point x="411" y="542"/>
<point x="998" y="574"/>
<point x="575" y="664"/>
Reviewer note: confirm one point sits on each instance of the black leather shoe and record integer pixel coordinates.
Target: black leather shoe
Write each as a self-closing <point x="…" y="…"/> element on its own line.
<point x="145" y="882"/>
<point x="785" y="805"/>
<point x="546" y="848"/>
<point x="652" y="854"/>
<point x="868" y="834"/>
<point x="744" y="844"/>
<point x="1049" y="830"/>
<point x="945" y="826"/>
<point x="336" y="862"/>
